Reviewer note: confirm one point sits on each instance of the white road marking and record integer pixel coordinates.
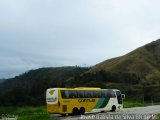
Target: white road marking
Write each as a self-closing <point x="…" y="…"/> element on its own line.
<point x="148" y="111"/>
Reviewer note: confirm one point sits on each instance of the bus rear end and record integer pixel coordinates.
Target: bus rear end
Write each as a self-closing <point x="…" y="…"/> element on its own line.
<point x="52" y="100"/>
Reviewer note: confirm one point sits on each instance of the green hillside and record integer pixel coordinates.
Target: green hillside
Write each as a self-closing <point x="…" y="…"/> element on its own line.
<point x="144" y="62"/>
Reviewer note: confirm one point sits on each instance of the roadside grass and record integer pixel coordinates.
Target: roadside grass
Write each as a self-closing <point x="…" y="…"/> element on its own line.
<point x="26" y="113"/>
<point x="129" y="104"/>
<point x="158" y="116"/>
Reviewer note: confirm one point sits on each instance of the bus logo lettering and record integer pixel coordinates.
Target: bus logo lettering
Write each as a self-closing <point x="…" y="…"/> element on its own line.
<point x="86" y="100"/>
<point x="51" y="99"/>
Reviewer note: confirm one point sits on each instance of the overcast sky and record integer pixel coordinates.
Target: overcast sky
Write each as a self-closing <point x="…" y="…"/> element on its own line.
<point x="48" y="33"/>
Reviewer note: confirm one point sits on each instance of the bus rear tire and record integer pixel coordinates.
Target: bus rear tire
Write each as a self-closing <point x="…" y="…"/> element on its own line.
<point x="63" y="114"/>
<point x="82" y="110"/>
<point x="75" y="111"/>
<point x="113" y="108"/>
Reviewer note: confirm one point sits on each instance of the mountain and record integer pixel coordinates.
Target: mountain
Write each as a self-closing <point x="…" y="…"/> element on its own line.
<point x="136" y="74"/>
<point x="144" y="62"/>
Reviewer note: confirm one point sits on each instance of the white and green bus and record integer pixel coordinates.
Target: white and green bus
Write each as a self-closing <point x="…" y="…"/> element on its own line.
<point x="80" y="100"/>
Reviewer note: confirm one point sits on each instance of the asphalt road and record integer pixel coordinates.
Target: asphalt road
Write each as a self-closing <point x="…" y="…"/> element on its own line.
<point x="136" y="113"/>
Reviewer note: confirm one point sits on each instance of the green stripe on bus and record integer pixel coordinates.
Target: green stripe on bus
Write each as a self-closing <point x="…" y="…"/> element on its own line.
<point x="99" y="103"/>
<point x="105" y="102"/>
<point x="102" y="102"/>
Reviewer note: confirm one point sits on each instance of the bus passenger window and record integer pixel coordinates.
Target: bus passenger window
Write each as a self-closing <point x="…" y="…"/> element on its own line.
<point x="111" y="94"/>
<point x="80" y="94"/>
<point x="88" y="94"/>
<point x="96" y="94"/>
<point x="103" y="94"/>
<point x="108" y="94"/>
<point x="64" y="94"/>
<point x="72" y="94"/>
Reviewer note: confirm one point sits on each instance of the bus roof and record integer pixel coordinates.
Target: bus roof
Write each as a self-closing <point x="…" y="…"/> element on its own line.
<point x="111" y="89"/>
<point x="79" y="88"/>
<point x="83" y="88"/>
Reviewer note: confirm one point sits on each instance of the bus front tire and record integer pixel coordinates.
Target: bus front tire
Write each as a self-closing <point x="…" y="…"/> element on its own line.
<point x="113" y="108"/>
<point x="75" y="111"/>
<point x="102" y="111"/>
<point x="82" y="110"/>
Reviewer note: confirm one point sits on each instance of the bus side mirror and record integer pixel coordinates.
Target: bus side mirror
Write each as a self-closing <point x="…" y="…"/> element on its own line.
<point x="123" y="96"/>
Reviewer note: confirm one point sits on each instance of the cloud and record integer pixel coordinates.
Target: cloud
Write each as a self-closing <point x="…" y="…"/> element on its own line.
<point x="40" y="33"/>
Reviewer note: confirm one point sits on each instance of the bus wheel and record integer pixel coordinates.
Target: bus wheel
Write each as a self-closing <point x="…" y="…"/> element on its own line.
<point x="82" y="110"/>
<point x="75" y="111"/>
<point x="102" y="111"/>
<point x="63" y="114"/>
<point x="113" y="108"/>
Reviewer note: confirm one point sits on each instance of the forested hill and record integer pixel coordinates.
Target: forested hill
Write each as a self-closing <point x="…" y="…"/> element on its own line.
<point x="1" y="80"/>
<point x="30" y="87"/>
<point x="52" y="76"/>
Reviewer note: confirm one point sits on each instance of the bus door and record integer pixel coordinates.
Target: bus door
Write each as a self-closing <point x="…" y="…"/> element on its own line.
<point x="119" y="97"/>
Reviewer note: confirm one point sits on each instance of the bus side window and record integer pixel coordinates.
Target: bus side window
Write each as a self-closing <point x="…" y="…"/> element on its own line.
<point x="96" y="94"/>
<point x="88" y="94"/>
<point x="72" y="94"/>
<point x="80" y="94"/>
<point x="104" y="94"/>
<point x="64" y="94"/>
<point x="108" y="94"/>
<point x="111" y="94"/>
